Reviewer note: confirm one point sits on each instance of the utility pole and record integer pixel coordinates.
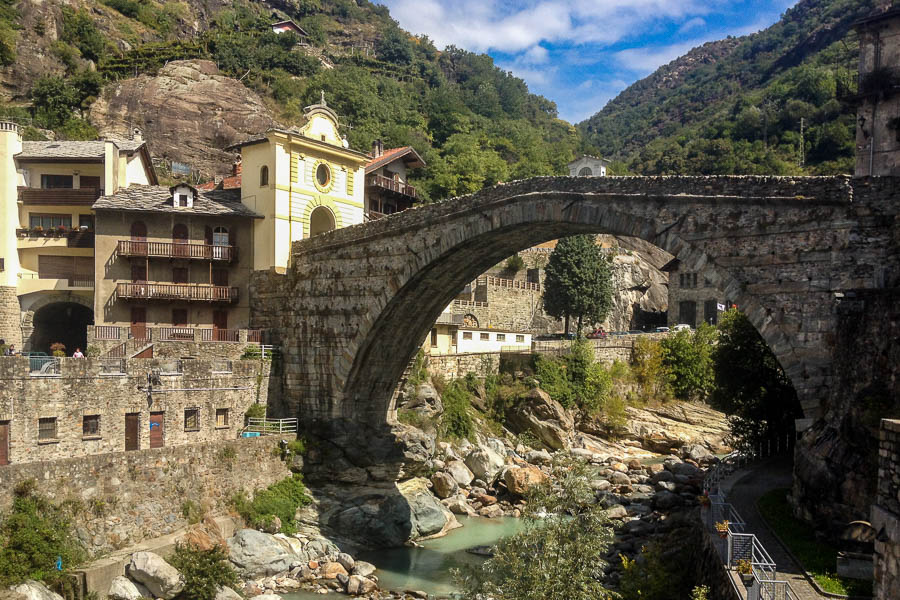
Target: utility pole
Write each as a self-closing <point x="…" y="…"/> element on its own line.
<point x="802" y="142"/>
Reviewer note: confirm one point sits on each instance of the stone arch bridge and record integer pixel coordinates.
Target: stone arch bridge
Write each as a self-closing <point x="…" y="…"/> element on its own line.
<point x="356" y="303"/>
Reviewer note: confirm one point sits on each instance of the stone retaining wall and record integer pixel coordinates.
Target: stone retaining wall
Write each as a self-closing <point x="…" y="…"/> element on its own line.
<point x="127" y="497"/>
<point x="886" y="514"/>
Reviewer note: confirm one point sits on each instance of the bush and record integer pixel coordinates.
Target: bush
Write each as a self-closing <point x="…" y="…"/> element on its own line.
<point x="192" y="511"/>
<point x="281" y="499"/>
<point x="649" y="371"/>
<point x="515" y="263"/>
<point x="456" y="422"/>
<point x="256" y="411"/>
<point x="58" y="349"/>
<point x="203" y="571"/>
<point x="687" y="356"/>
<point x="251" y="352"/>
<point x="32" y="535"/>
<point x="79" y="30"/>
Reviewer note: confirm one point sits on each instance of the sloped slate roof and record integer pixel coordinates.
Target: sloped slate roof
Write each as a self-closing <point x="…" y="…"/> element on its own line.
<point x="81" y="150"/>
<point x="156" y="198"/>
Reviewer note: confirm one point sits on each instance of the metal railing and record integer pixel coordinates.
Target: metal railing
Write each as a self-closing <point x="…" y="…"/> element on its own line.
<point x="142" y="248"/>
<point x="271" y="426"/>
<point x="177" y="291"/>
<point x="746" y="546"/>
<point x="775" y="590"/>
<point x="43" y="365"/>
<point x="254" y="336"/>
<point x="175" y="334"/>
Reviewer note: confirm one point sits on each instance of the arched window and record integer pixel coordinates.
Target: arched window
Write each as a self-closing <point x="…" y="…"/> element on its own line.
<point x="263" y="175"/>
<point x="138" y="231"/>
<point x="320" y="221"/>
<point x="585" y="172"/>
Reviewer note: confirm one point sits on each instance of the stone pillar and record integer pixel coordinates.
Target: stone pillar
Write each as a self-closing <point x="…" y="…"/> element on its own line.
<point x="10" y="318"/>
<point x="886" y="514"/>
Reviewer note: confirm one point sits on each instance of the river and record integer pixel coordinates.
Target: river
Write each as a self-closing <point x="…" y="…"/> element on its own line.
<point x="428" y="568"/>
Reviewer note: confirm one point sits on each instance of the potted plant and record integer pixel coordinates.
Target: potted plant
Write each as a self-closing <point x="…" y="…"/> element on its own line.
<point x="58" y="349"/>
<point x="722" y="528"/>
<point x="38" y="230"/>
<point x="745" y="570"/>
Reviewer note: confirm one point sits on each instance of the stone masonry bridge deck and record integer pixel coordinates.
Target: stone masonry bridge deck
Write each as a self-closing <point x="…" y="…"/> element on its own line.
<point x="356" y="303"/>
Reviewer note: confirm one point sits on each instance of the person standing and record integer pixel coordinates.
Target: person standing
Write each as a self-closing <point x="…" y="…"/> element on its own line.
<point x="77" y="353"/>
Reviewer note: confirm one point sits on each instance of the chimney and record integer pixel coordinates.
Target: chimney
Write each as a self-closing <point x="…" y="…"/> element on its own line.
<point x="377" y="148"/>
<point x="236" y="167"/>
<point x="136" y="135"/>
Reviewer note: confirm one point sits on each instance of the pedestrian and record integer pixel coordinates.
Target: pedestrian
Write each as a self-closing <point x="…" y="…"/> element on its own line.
<point x="77" y="353"/>
<point x="11" y="351"/>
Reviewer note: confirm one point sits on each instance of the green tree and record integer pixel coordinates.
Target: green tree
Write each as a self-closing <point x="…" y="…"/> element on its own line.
<point x="53" y="102"/>
<point x="8" y="26"/>
<point x="649" y="371"/>
<point x="578" y="281"/>
<point x="395" y="47"/>
<point x="751" y="386"/>
<point x="688" y="357"/>
<point x="204" y="571"/>
<point x="556" y="557"/>
<point x="79" y="30"/>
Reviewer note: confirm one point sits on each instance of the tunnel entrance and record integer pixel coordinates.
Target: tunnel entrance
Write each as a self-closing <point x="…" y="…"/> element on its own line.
<point x="63" y="322"/>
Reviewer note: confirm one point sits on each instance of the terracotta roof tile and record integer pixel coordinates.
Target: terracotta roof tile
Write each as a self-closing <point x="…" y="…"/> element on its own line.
<point x="390" y="156"/>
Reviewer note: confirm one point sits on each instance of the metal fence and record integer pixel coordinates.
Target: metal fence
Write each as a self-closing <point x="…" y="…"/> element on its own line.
<point x="43" y="365"/>
<point x="270" y="426"/>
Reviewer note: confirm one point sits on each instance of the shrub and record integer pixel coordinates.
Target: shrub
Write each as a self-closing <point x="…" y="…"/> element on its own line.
<point x="649" y="371"/>
<point x="281" y="499"/>
<point x="192" y="511"/>
<point x="79" y="30"/>
<point x="551" y="373"/>
<point x="203" y="571"/>
<point x="456" y="422"/>
<point x="515" y="263"/>
<point x="256" y="411"/>
<point x="251" y="352"/>
<point x="688" y="357"/>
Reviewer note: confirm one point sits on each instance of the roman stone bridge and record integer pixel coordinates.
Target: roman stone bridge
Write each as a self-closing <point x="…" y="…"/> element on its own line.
<point x="357" y="303"/>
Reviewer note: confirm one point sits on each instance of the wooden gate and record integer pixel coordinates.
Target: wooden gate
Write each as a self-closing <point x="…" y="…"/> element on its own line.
<point x="156" y="430"/>
<point x="4" y="443"/>
<point x="132" y="432"/>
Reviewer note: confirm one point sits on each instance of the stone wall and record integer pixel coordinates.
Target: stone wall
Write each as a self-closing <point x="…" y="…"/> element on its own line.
<point x="221" y="392"/>
<point x="886" y="514"/>
<point x="455" y="366"/>
<point x="10" y="318"/>
<point x="127" y="497"/>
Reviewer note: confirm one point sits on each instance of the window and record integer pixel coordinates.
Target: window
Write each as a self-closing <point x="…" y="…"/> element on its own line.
<point x="192" y="419"/>
<point x="501" y="337"/>
<point x="182" y="200"/>
<point x="220" y="236"/>
<point x="220" y="277"/>
<point x="90" y="425"/>
<point x="49" y="221"/>
<point x="2" y="264"/>
<point x="520" y="339"/>
<point x="585" y="172"/>
<point x="323" y="175"/>
<point x="47" y="428"/>
<point x="138" y="273"/>
<point x="263" y="175"/>
<point x="180" y="233"/>
<point x="138" y="231"/>
<point x="694" y="284"/>
<point x="50" y="182"/>
<point x="179" y="275"/>
<point x="179" y="317"/>
<point x="484" y="337"/>
<point x="221" y="417"/>
<point x="434" y="336"/>
<point x="89" y="181"/>
<point x="86" y="221"/>
<point x="467" y="335"/>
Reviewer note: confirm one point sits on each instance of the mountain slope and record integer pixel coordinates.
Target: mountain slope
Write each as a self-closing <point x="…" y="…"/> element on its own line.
<point x="735" y="105"/>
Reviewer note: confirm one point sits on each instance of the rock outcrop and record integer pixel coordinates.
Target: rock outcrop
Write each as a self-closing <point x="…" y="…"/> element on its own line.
<point x="256" y="553"/>
<point x="162" y="579"/>
<point x="543" y="417"/>
<point x="188" y="113"/>
<point x="35" y="590"/>
<point x="123" y="588"/>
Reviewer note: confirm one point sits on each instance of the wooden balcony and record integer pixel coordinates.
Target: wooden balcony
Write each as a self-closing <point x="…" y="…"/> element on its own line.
<point x="140" y="249"/>
<point x="39" y="238"/>
<point x="59" y="196"/>
<point x="177" y="291"/>
<point x="398" y="187"/>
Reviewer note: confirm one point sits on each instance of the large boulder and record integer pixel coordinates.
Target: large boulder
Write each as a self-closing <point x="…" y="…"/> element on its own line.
<point x="428" y="515"/>
<point x="255" y="553"/>
<point x="162" y="579"/>
<point x="519" y="479"/>
<point x="544" y="417"/>
<point x="360" y="586"/>
<point x="34" y="590"/>
<point x="484" y="463"/>
<point x="123" y="588"/>
<point x="226" y="593"/>
<point x="458" y="470"/>
<point x="425" y="400"/>
<point x="444" y="485"/>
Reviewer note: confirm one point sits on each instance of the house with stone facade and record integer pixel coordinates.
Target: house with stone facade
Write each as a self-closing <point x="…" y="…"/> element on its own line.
<point x="693" y="299"/>
<point x="47" y="231"/>
<point x="302" y="182"/>
<point x="173" y="259"/>
<point x="387" y="184"/>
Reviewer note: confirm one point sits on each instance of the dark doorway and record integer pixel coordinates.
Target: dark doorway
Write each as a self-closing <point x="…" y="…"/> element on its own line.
<point x="156" y="430"/>
<point x="132" y="441"/>
<point x="4" y="443"/>
<point x="63" y="322"/>
<point x="220" y="325"/>
<point x="139" y="322"/>
<point x="687" y="313"/>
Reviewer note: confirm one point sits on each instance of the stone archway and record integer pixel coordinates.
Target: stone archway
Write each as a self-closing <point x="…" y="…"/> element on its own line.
<point x="62" y="322"/>
<point x="60" y="301"/>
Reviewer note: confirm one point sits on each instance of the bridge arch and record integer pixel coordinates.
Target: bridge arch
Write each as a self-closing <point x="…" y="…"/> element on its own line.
<point x="357" y="302"/>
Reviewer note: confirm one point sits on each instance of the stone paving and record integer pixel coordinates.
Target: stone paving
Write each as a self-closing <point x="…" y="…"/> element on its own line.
<point x="742" y="491"/>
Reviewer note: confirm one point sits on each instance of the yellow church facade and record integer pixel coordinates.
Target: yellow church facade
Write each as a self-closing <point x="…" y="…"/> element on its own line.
<point x="303" y="181"/>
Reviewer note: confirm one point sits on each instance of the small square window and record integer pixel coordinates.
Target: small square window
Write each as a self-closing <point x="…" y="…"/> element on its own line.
<point x="90" y="425"/>
<point x="501" y="337"/>
<point x="221" y="417"/>
<point x="520" y="339"/>
<point x="47" y="428"/>
<point x="484" y="337"/>
<point x="192" y="419"/>
<point x="467" y="335"/>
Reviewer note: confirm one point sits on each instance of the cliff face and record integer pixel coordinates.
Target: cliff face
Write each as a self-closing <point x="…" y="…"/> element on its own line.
<point x="188" y="113"/>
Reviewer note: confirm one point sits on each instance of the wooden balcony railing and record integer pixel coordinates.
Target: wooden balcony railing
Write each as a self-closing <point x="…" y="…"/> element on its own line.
<point x="220" y="335"/>
<point x="106" y="332"/>
<point x="177" y="291"/>
<point x="175" y="334"/>
<point x="389" y="184"/>
<point x="59" y="196"/>
<point x="75" y="238"/>
<point x="173" y="250"/>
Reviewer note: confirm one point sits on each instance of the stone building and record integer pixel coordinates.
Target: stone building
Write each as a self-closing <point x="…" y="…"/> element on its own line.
<point x="878" y="126"/>
<point x="588" y="166"/>
<point x="174" y="258"/>
<point x="387" y="187"/>
<point x="692" y="297"/>
<point x="47" y="231"/>
<point x="303" y="182"/>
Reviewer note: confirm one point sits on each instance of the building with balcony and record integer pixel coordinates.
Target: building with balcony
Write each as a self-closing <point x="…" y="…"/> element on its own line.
<point x="168" y="258"/>
<point x="47" y="189"/>
<point x="303" y="182"/>
<point x="387" y="187"/>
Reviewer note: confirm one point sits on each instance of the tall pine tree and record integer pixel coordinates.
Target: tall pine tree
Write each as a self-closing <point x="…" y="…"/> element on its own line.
<point x="578" y="282"/>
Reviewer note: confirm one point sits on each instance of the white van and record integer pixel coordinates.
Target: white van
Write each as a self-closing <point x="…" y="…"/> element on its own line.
<point x="682" y="327"/>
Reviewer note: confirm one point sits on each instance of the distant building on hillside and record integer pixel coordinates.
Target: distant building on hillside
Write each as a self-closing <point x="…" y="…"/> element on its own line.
<point x="387" y="187"/>
<point x="588" y="166"/>
<point x="290" y="26"/>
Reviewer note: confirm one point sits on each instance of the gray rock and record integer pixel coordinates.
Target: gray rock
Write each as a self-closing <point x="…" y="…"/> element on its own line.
<point x="360" y="586"/>
<point x="544" y="417"/>
<point x="319" y="548"/>
<point x="255" y="553"/>
<point x="618" y="478"/>
<point x="267" y="597"/>
<point x="485" y="463"/>
<point x="460" y="472"/>
<point x="123" y="588"/>
<point x="600" y="485"/>
<point x="459" y="506"/>
<point x="538" y="457"/>
<point x="695" y="452"/>
<point x="363" y="568"/>
<point x="665" y="500"/>
<point x="666" y="485"/>
<point x="226" y="593"/>
<point x="662" y="476"/>
<point x="616" y="512"/>
<point x="162" y="579"/>
<point x="444" y="485"/>
<point x="346" y="560"/>
<point x="34" y="590"/>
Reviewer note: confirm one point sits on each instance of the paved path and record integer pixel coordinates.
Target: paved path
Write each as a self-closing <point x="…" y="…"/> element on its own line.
<point x="744" y="491"/>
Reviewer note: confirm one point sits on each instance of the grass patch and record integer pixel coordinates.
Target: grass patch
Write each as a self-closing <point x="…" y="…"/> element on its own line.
<point x="281" y="499"/>
<point x="818" y="558"/>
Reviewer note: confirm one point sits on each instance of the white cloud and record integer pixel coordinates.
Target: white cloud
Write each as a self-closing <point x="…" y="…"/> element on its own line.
<point x="692" y="24"/>
<point x="648" y="59"/>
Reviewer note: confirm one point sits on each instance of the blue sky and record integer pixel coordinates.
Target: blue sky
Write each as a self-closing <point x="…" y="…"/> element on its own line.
<point x="581" y="53"/>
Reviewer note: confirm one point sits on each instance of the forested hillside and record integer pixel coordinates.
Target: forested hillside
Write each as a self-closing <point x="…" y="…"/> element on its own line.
<point x="474" y="124"/>
<point x="735" y="106"/>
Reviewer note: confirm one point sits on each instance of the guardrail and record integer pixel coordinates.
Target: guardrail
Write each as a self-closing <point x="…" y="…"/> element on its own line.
<point x="43" y="365"/>
<point x="107" y="332"/>
<point x="507" y="283"/>
<point x="269" y="427"/>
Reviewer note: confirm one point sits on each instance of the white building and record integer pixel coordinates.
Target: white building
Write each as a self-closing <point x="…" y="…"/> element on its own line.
<point x="588" y="166"/>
